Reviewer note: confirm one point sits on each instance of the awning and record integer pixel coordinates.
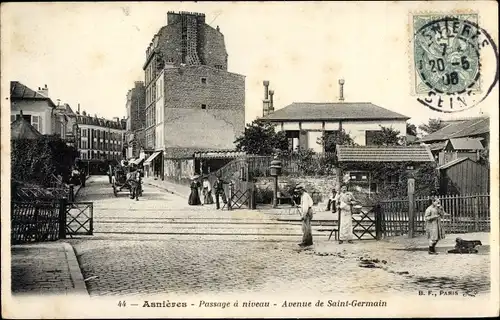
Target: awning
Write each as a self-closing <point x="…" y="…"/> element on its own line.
<point x="139" y="160"/>
<point x="152" y="157"/>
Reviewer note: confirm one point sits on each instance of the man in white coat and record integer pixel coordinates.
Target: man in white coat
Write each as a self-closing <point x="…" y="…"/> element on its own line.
<point x="306" y="210"/>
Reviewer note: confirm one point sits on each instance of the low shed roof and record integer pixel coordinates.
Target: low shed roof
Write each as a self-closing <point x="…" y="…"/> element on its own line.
<point x="384" y="154"/>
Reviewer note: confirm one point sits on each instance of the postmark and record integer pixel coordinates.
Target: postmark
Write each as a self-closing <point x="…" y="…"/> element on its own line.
<point x="455" y="62"/>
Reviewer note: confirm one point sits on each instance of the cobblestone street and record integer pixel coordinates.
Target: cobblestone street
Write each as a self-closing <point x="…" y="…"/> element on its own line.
<point x="161" y="245"/>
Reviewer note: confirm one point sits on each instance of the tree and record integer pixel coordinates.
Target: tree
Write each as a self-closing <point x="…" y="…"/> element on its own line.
<point x="387" y="137"/>
<point x="332" y="138"/>
<point x="432" y="126"/>
<point x="261" y="138"/>
<point x="411" y="129"/>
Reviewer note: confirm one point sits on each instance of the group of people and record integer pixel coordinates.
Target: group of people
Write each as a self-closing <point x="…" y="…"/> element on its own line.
<point x="205" y="189"/>
<point x="132" y="175"/>
<point x="343" y="203"/>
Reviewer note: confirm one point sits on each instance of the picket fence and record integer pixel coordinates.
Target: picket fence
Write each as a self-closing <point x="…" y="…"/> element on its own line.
<point x="463" y="213"/>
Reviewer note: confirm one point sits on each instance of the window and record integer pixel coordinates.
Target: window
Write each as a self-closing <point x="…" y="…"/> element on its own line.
<point x="330" y="138"/>
<point x="84" y="133"/>
<point x="203" y="106"/>
<point x="204" y="80"/>
<point x="370" y="137"/>
<point x="36" y="122"/>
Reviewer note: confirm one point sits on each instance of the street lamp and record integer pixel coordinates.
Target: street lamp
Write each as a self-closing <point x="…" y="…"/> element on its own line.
<point x="275" y="171"/>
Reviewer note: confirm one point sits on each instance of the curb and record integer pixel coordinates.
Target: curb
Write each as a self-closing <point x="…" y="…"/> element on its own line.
<point x="74" y="270"/>
<point x="168" y="190"/>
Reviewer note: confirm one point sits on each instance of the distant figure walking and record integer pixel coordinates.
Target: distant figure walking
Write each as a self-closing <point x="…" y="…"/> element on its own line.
<point x="306" y="210"/>
<point x="219" y="191"/>
<point x="207" y="191"/>
<point x="194" y="197"/>
<point x="345" y="200"/>
<point x="433" y="226"/>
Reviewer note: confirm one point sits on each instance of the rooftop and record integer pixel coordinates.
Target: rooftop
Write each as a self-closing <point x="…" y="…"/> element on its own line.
<point x="466" y="144"/>
<point x="323" y="111"/>
<point x="453" y="162"/>
<point x="22" y="129"/>
<point x="460" y="129"/>
<point x="19" y="91"/>
<point x="384" y="154"/>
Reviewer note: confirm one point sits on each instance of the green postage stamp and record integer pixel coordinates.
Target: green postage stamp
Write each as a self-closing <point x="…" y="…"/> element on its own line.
<point x="453" y="61"/>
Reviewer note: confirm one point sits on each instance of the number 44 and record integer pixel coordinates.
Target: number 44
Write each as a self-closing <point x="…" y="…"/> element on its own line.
<point x="122" y="303"/>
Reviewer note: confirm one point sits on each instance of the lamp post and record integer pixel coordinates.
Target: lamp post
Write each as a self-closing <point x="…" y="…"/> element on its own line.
<point x="275" y="171"/>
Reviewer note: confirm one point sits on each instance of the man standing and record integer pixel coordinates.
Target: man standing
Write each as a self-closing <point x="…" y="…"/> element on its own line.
<point x="219" y="191"/>
<point x="306" y="210"/>
<point x="433" y="226"/>
<point x="332" y="203"/>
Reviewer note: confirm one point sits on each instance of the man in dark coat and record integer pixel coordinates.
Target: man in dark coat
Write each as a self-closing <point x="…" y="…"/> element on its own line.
<point x="219" y="191"/>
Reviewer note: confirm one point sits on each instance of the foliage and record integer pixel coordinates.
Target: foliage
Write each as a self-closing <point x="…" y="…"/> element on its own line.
<point x="331" y="139"/>
<point x="387" y="137"/>
<point x="411" y="129"/>
<point x="431" y="126"/>
<point x="37" y="160"/>
<point x="392" y="177"/>
<point x="484" y="157"/>
<point x="261" y="138"/>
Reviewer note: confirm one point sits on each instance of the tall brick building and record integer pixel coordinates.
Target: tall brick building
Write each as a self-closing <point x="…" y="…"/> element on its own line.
<point x="193" y="104"/>
<point x="136" y="119"/>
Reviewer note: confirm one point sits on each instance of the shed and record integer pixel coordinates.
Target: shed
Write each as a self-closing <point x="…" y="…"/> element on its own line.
<point x="463" y="176"/>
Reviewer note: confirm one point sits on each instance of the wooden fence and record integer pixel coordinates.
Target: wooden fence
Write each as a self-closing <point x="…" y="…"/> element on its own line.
<point x="35" y="221"/>
<point x="463" y="213"/>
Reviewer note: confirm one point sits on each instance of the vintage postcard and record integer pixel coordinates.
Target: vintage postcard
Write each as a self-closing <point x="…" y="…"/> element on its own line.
<point x="249" y="159"/>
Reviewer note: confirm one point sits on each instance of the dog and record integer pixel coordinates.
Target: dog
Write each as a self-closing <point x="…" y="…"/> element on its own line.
<point x="465" y="246"/>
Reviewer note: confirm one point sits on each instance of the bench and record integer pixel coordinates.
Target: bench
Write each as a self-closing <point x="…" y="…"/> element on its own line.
<point x="333" y="230"/>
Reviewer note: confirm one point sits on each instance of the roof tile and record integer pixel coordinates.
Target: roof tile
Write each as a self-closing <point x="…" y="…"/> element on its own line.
<point x="384" y="154"/>
<point x="333" y="111"/>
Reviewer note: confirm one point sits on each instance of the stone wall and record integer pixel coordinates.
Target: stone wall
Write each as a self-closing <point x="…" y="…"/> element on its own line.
<point x="319" y="187"/>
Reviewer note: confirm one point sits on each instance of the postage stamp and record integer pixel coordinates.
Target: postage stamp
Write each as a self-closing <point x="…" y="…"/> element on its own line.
<point x="452" y="57"/>
<point x="249" y="159"/>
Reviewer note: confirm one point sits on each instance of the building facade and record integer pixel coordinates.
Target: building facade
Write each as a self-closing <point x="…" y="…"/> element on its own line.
<point x="192" y="102"/>
<point x="136" y="120"/>
<point x="305" y="123"/>
<point x="37" y="109"/>
<point x="100" y="140"/>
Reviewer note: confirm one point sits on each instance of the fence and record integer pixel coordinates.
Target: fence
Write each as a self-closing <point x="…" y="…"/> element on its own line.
<point x="35" y="221"/>
<point x="292" y="164"/>
<point x="463" y="213"/>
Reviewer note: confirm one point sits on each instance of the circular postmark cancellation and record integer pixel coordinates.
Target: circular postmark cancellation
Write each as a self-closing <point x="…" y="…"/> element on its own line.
<point x="448" y="55"/>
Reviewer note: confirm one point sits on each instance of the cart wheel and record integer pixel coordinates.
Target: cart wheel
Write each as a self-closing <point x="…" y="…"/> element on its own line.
<point x="115" y="192"/>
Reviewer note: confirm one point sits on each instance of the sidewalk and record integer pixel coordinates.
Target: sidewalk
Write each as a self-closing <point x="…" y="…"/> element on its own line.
<point x="46" y="268"/>
<point x="174" y="188"/>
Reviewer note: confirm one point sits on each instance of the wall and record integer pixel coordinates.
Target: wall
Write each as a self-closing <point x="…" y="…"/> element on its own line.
<point x="320" y="186"/>
<point x="187" y="124"/>
<point x="39" y="108"/>
<point x="178" y="170"/>
<point x="356" y="129"/>
<point x="210" y="47"/>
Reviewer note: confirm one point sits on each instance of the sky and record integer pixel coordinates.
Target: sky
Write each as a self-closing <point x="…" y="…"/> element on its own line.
<point x="91" y="53"/>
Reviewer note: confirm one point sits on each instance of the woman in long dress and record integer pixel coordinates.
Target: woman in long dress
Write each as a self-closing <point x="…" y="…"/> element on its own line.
<point x="207" y="192"/>
<point x="345" y="200"/>
<point x="194" y="197"/>
<point x="433" y="226"/>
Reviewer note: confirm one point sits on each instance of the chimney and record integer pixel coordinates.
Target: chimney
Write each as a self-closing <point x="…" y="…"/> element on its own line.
<point x="44" y="91"/>
<point x="341" y="83"/>
<point x="266" y="89"/>
<point x="78" y="108"/>
<point x="271" y="102"/>
<point x="265" y="101"/>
